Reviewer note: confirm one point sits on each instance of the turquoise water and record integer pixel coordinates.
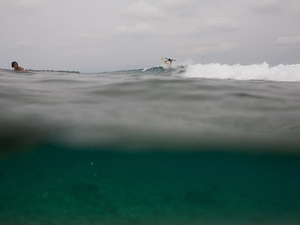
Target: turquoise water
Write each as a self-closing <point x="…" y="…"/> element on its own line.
<point x="154" y="146"/>
<point x="55" y="185"/>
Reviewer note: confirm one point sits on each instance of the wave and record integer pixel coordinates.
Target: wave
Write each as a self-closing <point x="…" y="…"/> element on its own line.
<point x="262" y="72"/>
<point x="153" y="71"/>
<point x="288" y="73"/>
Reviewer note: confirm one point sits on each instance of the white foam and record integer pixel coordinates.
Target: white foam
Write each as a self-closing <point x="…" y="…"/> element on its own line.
<point x="263" y="71"/>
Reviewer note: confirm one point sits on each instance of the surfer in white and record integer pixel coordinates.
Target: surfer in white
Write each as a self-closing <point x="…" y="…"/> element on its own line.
<point x="16" y="67"/>
<point x="170" y="60"/>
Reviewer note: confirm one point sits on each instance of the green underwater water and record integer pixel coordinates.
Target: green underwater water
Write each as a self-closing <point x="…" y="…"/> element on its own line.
<point x="55" y="185"/>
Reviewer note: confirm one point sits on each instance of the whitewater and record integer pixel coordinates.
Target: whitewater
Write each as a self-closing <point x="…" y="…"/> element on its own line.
<point x="263" y="72"/>
<point x="187" y="144"/>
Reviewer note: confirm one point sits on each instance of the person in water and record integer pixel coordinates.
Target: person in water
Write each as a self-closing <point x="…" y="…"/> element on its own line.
<point x="16" y="67"/>
<point x="170" y="60"/>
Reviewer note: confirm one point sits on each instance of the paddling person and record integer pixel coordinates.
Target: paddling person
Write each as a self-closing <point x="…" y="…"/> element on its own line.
<point x="16" y="67"/>
<point x="170" y="60"/>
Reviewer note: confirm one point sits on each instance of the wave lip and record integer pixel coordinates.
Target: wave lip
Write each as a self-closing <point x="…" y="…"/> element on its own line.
<point x="288" y="73"/>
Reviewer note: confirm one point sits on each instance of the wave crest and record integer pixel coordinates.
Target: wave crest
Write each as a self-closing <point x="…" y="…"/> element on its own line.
<point x="289" y="73"/>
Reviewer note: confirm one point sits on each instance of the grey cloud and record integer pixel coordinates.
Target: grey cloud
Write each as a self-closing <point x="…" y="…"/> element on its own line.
<point x="292" y="7"/>
<point x="288" y="40"/>
<point x="27" y="6"/>
<point x="264" y="6"/>
<point x="91" y="35"/>
<point x="180" y="7"/>
<point x="142" y="9"/>
<point x="139" y="30"/>
<point x="208" y="49"/>
<point x="21" y="44"/>
<point x="232" y="31"/>
<point x="197" y="26"/>
<point x="222" y="24"/>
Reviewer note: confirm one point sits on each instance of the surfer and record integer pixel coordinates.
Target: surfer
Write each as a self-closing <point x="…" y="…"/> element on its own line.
<point x="16" y="67"/>
<point x="170" y="60"/>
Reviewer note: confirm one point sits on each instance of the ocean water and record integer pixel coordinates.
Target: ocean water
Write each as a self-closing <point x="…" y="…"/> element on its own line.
<point x="192" y="144"/>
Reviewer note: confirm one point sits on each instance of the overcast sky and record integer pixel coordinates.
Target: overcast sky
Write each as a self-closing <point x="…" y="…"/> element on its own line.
<point x="98" y="35"/>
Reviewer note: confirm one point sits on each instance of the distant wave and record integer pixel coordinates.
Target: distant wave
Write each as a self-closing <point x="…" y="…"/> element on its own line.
<point x="289" y="73"/>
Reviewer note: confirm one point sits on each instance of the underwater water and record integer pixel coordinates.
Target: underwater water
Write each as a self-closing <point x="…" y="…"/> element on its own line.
<point x="196" y="144"/>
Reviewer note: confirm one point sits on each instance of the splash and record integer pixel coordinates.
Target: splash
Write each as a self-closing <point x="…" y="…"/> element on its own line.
<point x="288" y="73"/>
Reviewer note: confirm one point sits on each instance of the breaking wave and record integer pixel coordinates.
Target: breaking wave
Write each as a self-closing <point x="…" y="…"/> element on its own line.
<point x="288" y="73"/>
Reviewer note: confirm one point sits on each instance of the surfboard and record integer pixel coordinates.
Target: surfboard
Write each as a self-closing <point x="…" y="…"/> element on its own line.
<point x="165" y="61"/>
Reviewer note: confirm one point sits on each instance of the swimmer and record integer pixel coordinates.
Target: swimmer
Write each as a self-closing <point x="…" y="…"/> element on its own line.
<point x="16" y="67"/>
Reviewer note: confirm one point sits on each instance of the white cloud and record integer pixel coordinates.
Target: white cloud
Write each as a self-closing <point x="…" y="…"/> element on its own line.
<point x="140" y="30"/>
<point x="288" y="40"/>
<point x="224" y="24"/>
<point x="209" y="49"/>
<point x="142" y="9"/>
